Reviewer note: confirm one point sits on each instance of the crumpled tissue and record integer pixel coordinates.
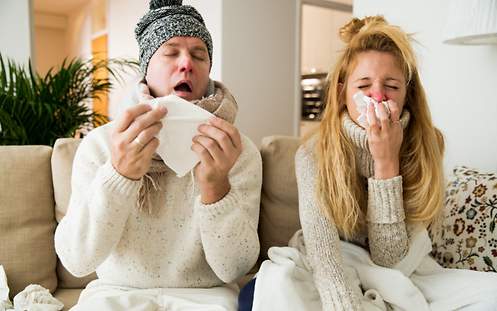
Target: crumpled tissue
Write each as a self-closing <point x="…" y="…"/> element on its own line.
<point x="36" y="298"/>
<point x="33" y="298"/>
<point x="5" y="303"/>
<point x="362" y="101"/>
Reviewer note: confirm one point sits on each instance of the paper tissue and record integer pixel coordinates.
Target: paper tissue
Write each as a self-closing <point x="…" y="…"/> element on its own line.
<point x="180" y="125"/>
<point x="362" y="101"/>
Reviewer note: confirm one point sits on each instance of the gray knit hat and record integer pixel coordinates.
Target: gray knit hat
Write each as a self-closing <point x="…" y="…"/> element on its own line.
<point x="165" y="20"/>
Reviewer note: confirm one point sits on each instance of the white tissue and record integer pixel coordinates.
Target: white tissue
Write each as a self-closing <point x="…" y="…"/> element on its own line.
<point x="180" y="125"/>
<point x="36" y="297"/>
<point x="5" y="303"/>
<point x="362" y="102"/>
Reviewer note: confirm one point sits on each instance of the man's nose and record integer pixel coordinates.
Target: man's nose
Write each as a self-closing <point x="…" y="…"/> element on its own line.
<point x="185" y="63"/>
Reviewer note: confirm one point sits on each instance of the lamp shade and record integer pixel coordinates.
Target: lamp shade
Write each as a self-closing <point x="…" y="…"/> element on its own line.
<point x="472" y="22"/>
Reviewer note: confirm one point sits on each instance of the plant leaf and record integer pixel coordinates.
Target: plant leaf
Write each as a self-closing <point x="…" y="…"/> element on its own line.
<point x="488" y="261"/>
<point x="38" y="110"/>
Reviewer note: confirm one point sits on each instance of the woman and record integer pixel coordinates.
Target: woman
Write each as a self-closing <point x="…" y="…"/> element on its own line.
<point x="372" y="177"/>
<point x="366" y="183"/>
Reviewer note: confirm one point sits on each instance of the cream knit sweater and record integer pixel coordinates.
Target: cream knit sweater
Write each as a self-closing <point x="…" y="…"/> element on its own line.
<point x="183" y="244"/>
<point x="386" y="237"/>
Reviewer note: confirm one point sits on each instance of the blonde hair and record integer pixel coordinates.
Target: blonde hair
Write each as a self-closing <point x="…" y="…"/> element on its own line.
<point x="340" y="187"/>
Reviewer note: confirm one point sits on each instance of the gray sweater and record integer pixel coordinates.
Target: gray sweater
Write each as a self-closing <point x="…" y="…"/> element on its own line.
<point x="386" y="236"/>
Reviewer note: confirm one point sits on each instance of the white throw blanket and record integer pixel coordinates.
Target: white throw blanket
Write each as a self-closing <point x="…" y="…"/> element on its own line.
<point x="105" y="297"/>
<point x="285" y="282"/>
<point x="418" y="283"/>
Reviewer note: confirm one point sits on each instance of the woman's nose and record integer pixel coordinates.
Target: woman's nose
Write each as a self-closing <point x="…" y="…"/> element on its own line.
<point x="378" y="95"/>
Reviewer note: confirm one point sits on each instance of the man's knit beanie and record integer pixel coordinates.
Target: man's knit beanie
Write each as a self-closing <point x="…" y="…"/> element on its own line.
<point x="165" y="20"/>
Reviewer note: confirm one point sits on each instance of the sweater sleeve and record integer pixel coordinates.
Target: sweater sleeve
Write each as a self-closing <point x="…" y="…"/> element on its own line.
<point x="321" y="240"/>
<point x="101" y="200"/>
<point x="388" y="239"/>
<point x="228" y="228"/>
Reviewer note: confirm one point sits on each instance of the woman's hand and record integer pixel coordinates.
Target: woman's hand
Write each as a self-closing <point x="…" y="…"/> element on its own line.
<point x="385" y="136"/>
<point x="133" y="140"/>
<point x="218" y="146"/>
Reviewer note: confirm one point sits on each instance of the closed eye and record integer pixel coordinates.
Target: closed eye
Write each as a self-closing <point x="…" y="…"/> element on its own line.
<point x="200" y="57"/>
<point x="363" y="86"/>
<point x="393" y="87"/>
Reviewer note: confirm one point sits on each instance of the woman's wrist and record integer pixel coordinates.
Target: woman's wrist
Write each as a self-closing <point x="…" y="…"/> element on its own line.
<point x="386" y="170"/>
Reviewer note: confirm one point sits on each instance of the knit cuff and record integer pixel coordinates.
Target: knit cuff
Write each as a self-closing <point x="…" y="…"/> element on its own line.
<point x="117" y="183"/>
<point x="385" y="203"/>
<point x="219" y="208"/>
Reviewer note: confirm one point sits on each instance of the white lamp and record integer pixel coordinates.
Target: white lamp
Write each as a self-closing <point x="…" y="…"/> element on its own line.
<point x="472" y="22"/>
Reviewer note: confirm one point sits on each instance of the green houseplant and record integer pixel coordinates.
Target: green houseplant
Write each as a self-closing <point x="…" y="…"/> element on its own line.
<point x="36" y="110"/>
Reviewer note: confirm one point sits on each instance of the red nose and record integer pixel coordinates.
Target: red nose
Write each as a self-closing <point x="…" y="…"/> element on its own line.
<point x="378" y="96"/>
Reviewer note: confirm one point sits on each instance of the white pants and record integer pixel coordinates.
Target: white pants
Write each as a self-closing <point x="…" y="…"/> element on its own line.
<point x="104" y="297"/>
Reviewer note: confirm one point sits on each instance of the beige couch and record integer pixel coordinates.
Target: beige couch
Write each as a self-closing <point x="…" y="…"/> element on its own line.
<point x="35" y="191"/>
<point x="34" y="195"/>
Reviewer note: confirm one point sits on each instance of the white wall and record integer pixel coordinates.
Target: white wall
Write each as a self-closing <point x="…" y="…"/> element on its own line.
<point x="321" y="43"/>
<point x="16" y="30"/>
<point x="122" y="18"/>
<point x="460" y="80"/>
<point x="260" y="64"/>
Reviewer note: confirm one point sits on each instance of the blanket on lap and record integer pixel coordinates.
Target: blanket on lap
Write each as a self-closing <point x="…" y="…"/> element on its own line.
<point x="417" y="282"/>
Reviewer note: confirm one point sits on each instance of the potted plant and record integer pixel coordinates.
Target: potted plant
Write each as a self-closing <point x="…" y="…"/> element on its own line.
<point x="36" y="110"/>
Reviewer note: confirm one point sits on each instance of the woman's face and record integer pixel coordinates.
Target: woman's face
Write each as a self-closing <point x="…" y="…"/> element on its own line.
<point x="377" y="75"/>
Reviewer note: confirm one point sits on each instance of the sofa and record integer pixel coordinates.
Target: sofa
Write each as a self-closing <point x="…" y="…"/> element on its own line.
<point x="35" y="191"/>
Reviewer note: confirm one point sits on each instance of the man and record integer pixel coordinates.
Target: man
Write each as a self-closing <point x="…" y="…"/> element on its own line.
<point x="155" y="239"/>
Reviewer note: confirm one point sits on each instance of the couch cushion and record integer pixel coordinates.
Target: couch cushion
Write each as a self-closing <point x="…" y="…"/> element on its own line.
<point x="27" y="220"/>
<point x="62" y="158"/>
<point x="279" y="216"/>
<point x="69" y="297"/>
<point x="467" y="237"/>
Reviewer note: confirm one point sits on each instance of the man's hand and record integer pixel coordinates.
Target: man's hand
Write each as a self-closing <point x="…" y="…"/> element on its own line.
<point x="218" y="146"/>
<point x="385" y="138"/>
<point x="133" y="140"/>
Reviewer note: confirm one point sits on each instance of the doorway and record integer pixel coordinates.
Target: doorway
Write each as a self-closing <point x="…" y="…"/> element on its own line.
<point x="320" y="47"/>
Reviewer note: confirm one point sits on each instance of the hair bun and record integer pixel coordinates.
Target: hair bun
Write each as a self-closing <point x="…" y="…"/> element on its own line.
<point x="349" y="30"/>
<point x="157" y="4"/>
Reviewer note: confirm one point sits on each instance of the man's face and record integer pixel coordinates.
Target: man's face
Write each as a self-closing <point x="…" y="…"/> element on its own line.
<point x="181" y="67"/>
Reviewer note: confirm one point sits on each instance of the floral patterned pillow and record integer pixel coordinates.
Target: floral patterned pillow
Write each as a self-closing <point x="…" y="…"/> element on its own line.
<point x="467" y="235"/>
